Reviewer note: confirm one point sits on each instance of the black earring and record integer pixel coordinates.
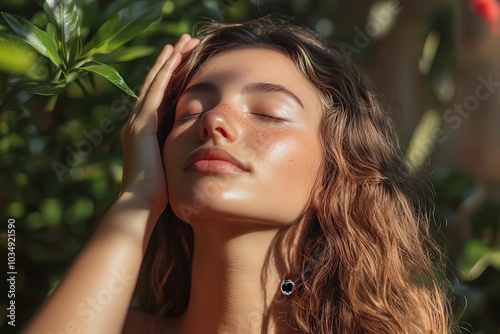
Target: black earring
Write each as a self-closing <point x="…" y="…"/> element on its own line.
<point x="287" y="287"/>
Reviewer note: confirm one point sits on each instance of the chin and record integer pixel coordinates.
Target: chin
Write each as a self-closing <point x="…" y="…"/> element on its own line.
<point x="234" y="200"/>
<point x="229" y="209"/>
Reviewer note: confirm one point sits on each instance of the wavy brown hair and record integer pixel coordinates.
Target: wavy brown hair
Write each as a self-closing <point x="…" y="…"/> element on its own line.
<point x="368" y="262"/>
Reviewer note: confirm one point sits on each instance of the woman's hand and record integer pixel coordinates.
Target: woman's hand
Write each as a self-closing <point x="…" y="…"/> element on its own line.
<point x="143" y="173"/>
<point x="114" y="253"/>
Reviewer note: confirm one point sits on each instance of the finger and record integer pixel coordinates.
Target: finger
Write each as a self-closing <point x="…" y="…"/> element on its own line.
<point x="183" y="41"/>
<point x="154" y="96"/>
<point x="190" y="46"/>
<point x="162" y="58"/>
<point x="160" y="61"/>
<point x="166" y="53"/>
<point x="187" y="50"/>
<point x="126" y="147"/>
<point x="124" y="133"/>
<point x="159" y="83"/>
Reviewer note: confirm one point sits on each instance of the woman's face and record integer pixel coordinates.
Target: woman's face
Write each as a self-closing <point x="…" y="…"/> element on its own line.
<point x="245" y="145"/>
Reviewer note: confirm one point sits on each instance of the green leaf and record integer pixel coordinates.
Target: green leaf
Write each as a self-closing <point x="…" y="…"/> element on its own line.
<point x="76" y="50"/>
<point x="123" y="26"/>
<point x="125" y="54"/>
<point x="16" y="57"/>
<point x="34" y="36"/>
<point x="110" y="74"/>
<point x="41" y="87"/>
<point x="477" y="257"/>
<point x="65" y="15"/>
<point x="52" y="32"/>
<point x="495" y="259"/>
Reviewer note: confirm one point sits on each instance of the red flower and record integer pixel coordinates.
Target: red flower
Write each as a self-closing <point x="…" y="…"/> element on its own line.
<point x="489" y="10"/>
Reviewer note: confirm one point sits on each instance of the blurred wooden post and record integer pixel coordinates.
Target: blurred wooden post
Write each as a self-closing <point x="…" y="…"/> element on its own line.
<point x="469" y="137"/>
<point x="473" y="145"/>
<point x="395" y="64"/>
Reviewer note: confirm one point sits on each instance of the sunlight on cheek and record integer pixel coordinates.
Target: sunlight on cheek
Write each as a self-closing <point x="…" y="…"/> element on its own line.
<point x="297" y="161"/>
<point x="286" y="153"/>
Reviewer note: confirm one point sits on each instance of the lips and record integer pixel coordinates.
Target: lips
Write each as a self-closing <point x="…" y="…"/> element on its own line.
<point x="214" y="160"/>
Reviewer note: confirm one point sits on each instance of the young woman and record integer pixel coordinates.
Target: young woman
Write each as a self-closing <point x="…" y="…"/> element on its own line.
<point x="263" y="192"/>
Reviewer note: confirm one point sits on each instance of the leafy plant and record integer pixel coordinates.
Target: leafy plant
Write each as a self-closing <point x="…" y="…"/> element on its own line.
<point x="67" y="58"/>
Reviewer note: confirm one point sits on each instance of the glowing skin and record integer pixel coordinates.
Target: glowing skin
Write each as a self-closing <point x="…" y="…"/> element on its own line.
<point x="242" y="216"/>
<point x="274" y="135"/>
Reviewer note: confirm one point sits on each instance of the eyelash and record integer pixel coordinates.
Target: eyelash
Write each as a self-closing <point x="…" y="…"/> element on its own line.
<point x="189" y="115"/>
<point x="262" y="117"/>
<point x="267" y="118"/>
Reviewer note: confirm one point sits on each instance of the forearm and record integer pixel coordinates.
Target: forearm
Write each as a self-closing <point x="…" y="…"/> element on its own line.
<point x="95" y="294"/>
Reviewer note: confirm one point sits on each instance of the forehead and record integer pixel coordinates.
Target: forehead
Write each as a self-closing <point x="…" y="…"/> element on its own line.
<point x="245" y="64"/>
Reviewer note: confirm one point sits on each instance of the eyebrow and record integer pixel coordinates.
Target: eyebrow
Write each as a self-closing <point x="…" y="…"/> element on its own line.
<point x="203" y="87"/>
<point x="261" y="87"/>
<point x="254" y="87"/>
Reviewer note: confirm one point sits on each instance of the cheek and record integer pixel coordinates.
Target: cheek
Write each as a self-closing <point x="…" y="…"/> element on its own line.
<point x="287" y="170"/>
<point x="175" y="151"/>
<point x="178" y="145"/>
<point x="291" y="156"/>
<point x="177" y="142"/>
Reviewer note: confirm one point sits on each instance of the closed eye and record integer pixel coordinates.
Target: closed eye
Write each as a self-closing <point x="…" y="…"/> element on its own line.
<point x="189" y="115"/>
<point x="263" y="117"/>
<point x="267" y="118"/>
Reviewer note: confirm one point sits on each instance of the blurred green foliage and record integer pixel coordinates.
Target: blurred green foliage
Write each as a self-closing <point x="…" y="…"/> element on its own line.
<point x="61" y="159"/>
<point x="62" y="42"/>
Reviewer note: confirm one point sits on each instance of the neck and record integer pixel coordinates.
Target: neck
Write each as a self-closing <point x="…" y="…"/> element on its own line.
<point x="236" y="276"/>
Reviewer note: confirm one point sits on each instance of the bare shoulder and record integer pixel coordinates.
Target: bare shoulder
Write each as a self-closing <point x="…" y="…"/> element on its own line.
<point x="143" y="322"/>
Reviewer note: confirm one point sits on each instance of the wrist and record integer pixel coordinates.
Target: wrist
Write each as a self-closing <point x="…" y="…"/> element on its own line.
<point x="132" y="217"/>
<point x="130" y="200"/>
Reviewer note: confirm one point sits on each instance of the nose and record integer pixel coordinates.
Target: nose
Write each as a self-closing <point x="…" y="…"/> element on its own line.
<point x="219" y="124"/>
